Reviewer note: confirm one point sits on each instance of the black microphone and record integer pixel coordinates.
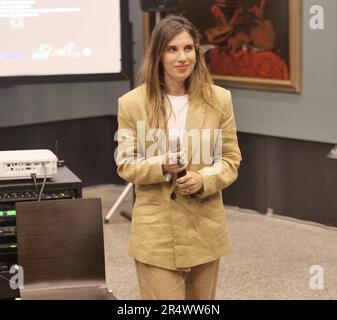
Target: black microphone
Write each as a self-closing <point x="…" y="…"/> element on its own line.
<point x="181" y="173"/>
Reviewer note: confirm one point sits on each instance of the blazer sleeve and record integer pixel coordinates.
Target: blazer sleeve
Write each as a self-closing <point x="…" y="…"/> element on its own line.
<point x="132" y="165"/>
<point x="227" y="156"/>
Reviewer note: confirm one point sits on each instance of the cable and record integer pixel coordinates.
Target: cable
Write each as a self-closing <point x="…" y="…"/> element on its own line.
<point x="44" y="180"/>
<point x="33" y="175"/>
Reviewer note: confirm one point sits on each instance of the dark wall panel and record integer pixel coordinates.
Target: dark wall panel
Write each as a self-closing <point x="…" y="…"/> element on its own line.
<point x="303" y="181"/>
<point x="292" y="177"/>
<point x="250" y="189"/>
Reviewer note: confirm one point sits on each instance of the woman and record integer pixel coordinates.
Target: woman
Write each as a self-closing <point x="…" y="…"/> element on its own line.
<point x="178" y="229"/>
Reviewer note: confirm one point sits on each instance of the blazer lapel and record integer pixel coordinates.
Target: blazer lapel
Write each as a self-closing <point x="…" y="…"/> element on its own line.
<point x="195" y="120"/>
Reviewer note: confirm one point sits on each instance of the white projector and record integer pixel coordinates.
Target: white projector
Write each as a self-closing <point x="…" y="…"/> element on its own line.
<point x="21" y="164"/>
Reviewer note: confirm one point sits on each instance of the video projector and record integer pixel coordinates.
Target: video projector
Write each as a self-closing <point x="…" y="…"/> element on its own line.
<point x="21" y="164"/>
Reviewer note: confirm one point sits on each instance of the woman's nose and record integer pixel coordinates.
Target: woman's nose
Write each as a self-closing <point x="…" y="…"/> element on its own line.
<point x="182" y="55"/>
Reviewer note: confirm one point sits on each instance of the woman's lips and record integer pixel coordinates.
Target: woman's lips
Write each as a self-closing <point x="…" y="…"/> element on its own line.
<point x="182" y="68"/>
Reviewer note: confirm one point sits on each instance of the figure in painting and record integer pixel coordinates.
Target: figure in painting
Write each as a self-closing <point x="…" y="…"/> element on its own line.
<point x="242" y="42"/>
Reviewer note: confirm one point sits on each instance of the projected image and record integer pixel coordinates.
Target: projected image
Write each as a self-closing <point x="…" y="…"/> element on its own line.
<point x="53" y="37"/>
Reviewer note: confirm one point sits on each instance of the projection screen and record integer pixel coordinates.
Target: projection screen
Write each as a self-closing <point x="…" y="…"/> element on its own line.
<point x="61" y="37"/>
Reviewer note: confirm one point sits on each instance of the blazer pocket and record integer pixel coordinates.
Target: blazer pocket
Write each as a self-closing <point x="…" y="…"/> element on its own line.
<point x="144" y="200"/>
<point x="148" y="194"/>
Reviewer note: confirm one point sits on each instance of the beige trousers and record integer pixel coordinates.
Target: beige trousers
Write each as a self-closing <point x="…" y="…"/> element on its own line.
<point x="161" y="284"/>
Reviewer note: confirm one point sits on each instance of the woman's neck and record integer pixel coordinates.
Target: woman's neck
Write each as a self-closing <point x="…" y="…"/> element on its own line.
<point x="175" y="88"/>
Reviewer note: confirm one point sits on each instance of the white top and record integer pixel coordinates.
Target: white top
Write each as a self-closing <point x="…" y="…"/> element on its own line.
<point x="177" y="112"/>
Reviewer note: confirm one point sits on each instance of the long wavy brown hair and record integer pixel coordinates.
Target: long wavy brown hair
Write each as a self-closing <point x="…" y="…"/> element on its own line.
<point x="198" y="84"/>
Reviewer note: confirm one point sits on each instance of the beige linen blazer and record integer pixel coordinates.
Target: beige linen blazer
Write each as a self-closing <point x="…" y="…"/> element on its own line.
<point x="181" y="232"/>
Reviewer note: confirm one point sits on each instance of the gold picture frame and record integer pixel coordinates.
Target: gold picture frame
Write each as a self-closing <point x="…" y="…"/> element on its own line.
<point x="273" y="62"/>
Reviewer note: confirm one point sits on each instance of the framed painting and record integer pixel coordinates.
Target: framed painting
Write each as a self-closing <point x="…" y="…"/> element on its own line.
<point x="255" y="44"/>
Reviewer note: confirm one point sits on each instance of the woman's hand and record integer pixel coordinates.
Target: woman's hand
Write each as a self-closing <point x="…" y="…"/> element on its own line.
<point x="189" y="184"/>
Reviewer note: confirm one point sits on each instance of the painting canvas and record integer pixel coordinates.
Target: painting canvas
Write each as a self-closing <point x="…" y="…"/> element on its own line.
<point x="249" y="43"/>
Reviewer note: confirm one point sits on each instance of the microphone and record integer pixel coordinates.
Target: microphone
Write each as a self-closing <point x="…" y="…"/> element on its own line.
<point x="181" y="173"/>
<point x="174" y="146"/>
